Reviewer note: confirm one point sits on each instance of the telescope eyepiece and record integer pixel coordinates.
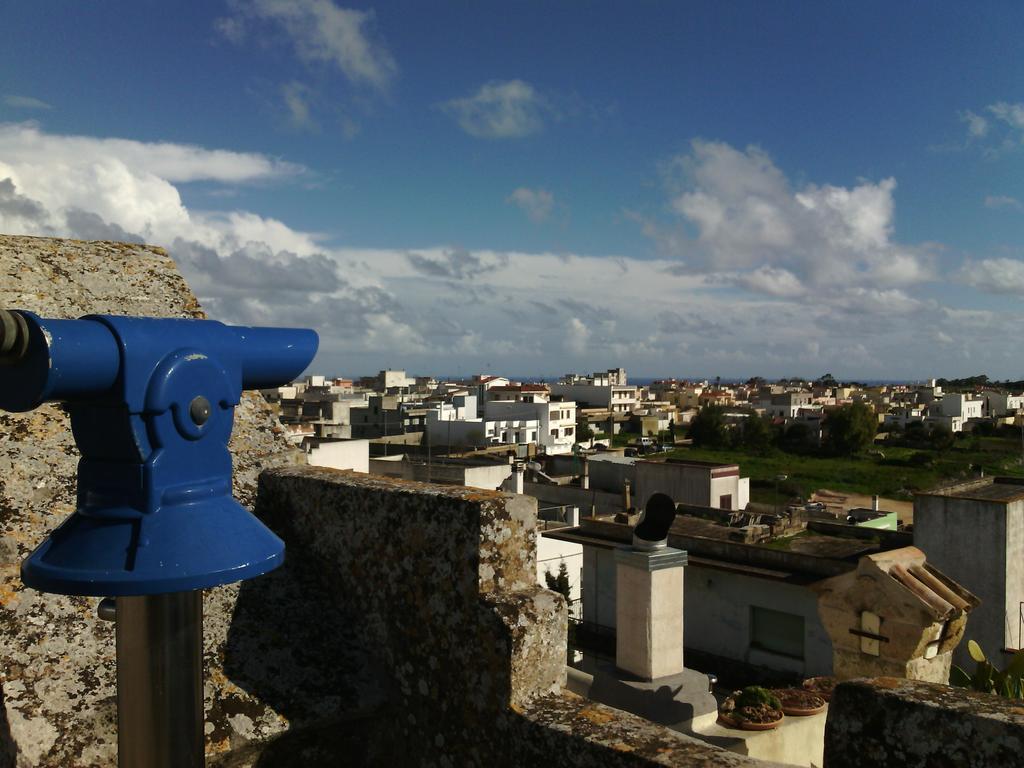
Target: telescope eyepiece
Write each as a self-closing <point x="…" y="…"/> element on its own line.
<point x="13" y="337"/>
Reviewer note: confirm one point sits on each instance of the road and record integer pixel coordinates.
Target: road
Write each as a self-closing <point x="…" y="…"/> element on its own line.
<point x="839" y="502"/>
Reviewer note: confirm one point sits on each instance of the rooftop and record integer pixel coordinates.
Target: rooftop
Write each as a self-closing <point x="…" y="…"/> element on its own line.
<point x="983" y="489"/>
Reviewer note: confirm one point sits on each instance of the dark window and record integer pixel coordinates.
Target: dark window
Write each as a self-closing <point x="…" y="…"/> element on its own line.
<point x="777" y="632"/>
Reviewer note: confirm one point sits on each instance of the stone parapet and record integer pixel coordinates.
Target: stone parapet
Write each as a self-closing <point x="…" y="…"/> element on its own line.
<point x="436" y="583"/>
<point x="887" y="721"/>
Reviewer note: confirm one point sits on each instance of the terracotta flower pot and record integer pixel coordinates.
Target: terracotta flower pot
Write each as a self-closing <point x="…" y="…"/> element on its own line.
<point x="730" y="720"/>
<point x="799" y="702"/>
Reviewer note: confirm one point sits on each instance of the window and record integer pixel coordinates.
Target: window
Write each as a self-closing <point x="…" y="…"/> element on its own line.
<point x="569" y="431"/>
<point x="776" y="632"/>
<point x="554" y="433"/>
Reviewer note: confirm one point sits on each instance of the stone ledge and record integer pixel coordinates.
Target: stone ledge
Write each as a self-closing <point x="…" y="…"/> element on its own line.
<point x="891" y="721"/>
<point x="574" y="731"/>
<point x="472" y="661"/>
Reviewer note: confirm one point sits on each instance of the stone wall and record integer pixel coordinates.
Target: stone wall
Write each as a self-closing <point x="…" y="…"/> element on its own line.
<point x="887" y="721"/>
<point x="437" y="583"/>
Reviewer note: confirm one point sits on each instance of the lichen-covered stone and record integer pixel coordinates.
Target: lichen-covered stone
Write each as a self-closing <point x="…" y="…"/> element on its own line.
<point x="471" y="654"/>
<point x="572" y="731"/>
<point x="891" y="721"/>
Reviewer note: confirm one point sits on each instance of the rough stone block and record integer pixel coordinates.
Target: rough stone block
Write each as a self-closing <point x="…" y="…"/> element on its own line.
<point x="886" y="721"/>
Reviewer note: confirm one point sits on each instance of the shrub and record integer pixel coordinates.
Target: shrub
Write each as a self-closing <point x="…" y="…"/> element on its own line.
<point x="755" y="696"/>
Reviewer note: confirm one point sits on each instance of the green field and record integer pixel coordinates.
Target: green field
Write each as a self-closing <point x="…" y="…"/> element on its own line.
<point x="892" y="476"/>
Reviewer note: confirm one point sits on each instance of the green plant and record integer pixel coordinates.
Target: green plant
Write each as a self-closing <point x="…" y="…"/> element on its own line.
<point x="849" y="429"/>
<point x="1008" y="683"/>
<point x="559" y="583"/>
<point x="708" y="428"/>
<point x="755" y="696"/>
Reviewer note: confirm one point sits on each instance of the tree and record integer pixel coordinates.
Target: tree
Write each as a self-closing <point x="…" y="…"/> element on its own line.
<point x="559" y="583"/>
<point x="940" y="438"/>
<point x="850" y="429"/>
<point x="707" y="430"/>
<point x="756" y="435"/>
<point x="796" y="437"/>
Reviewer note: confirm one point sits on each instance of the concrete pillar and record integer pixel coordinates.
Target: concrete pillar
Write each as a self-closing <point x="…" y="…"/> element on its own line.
<point x="649" y="612"/>
<point x="517" y="477"/>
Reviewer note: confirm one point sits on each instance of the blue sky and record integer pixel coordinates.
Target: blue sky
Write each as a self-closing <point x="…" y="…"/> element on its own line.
<point x="680" y="188"/>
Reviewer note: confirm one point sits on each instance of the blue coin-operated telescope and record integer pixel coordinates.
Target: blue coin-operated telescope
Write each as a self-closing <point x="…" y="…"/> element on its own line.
<point x="152" y="404"/>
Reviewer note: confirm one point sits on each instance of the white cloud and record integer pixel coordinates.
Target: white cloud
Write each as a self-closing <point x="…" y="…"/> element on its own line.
<point x="535" y="203"/>
<point x="130" y="186"/>
<point x="741" y="213"/>
<point x="1005" y="276"/>
<point x="25" y="102"/>
<point x="434" y="307"/>
<point x="1003" y="201"/>
<point x="577" y="336"/>
<point x="321" y="33"/>
<point x="297" y="97"/>
<point x="1010" y="114"/>
<point x="500" y="110"/>
<point x="169" y="161"/>
<point x="771" y="280"/>
<point x="977" y="126"/>
<point x="1000" y="129"/>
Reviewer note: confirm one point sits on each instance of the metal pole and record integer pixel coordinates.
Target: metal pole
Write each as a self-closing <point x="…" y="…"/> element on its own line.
<point x="160" y="681"/>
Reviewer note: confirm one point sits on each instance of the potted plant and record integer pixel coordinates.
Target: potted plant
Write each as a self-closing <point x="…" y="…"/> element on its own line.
<point x="800" y="702"/>
<point x="822" y="686"/>
<point x="752" y="709"/>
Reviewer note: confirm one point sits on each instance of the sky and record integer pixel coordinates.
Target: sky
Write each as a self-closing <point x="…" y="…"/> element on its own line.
<point x="688" y="189"/>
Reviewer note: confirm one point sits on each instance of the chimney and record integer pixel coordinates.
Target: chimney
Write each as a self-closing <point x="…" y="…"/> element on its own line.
<point x="514" y="482"/>
<point x="874" y="502"/>
<point x="649" y="597"/>
<point x="585" y="477"/>
<point x="626" y="501"/>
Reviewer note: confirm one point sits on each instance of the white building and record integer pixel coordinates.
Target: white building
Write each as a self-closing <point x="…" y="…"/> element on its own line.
<point x="1002" y="403"/>
<point x="338" y="454"/>
<point x="960" y="405"/>
<point x="788" y="405"/>
<point x="974" y="533"/>
<point x="902" y="416"/>
<point x="612" y="397"/>
<point x="556" y="420"/>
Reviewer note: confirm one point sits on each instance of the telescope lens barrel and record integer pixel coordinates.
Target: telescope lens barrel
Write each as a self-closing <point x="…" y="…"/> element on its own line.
<point x="274" y="356"/>
<point x="13" y="336"/>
